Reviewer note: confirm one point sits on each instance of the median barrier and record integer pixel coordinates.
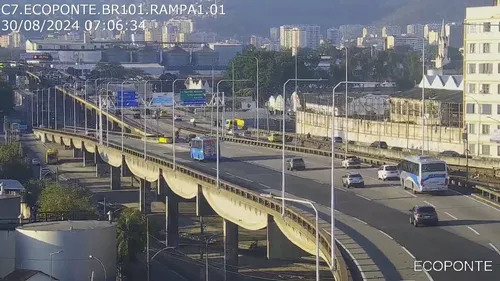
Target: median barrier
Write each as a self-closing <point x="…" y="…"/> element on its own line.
<point x="272" y="206"/>
<point x="490" y="194"/>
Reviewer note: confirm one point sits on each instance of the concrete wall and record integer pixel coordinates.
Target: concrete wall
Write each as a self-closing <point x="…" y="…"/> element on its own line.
<point x="7" y="252"/>
<point x="395" y="134"/>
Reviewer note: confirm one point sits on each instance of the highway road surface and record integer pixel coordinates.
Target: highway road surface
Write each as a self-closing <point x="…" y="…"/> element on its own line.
<point x="467" y="231"/>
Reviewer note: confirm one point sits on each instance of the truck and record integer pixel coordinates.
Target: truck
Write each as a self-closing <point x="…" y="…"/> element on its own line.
<point x="51" y="156"/>
<point x="239" y="123"/>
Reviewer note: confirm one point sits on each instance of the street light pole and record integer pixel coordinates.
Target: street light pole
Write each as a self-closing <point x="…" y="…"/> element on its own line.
<point x="284" y="141"/>
<point x="173" y="122"/>
<point x="51" y="259"/>
<point x="346" y="129"/>
<point x="217" y="127"/>
<point x="423" y="95"/>
<point x="316" y="214"/>
<point x="103" y="267"/>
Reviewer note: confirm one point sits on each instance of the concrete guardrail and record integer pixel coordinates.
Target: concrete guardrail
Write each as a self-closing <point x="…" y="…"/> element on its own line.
<point x="273" y="206"/>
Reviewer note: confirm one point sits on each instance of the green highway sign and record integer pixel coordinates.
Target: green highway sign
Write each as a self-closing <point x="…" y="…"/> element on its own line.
<point x="193" y="97"/>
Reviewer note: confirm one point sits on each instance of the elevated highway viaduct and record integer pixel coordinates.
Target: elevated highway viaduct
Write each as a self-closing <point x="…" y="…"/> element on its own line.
<point x="469" y="231"/>
<point x="288" y="236"/>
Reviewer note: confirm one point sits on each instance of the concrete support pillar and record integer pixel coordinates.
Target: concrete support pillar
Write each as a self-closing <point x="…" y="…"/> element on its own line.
<point x="88" y="158"/>
<point x="100" y="165"/>
<point x="202" y="206"/>
<point x="145" y="197"/>
<point x="77" y="153"/>
<point x="124" y="169"/>
<point x="230" y="250"/>
<point x="172" y="213"/>
<point x="278" y="245"/>
<point x="116" y="179"/>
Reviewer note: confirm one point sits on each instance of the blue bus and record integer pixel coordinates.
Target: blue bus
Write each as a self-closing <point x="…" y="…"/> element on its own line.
<point x="204" y="148"/>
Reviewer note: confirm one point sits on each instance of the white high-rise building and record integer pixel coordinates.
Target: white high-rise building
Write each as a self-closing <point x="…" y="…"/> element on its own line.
<point x="415" y="30"/>
<point x="183" y="25"/>
<point x="300" y="36"/>
<point x="482" y="79"/>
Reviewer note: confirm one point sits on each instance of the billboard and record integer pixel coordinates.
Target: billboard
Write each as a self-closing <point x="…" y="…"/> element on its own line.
<point x="193" y="97"/>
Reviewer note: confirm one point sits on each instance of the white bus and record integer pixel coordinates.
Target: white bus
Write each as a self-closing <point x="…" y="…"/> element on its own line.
<point x="424" y="174"/>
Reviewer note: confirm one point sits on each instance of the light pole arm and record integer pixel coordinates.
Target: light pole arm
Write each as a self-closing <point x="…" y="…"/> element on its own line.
<point x="164" y="249"/>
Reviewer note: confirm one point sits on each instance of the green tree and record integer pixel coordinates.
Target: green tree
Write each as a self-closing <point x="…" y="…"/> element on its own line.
<point x="12" y="163"/>
<point x="56" y="197"/>
<point x="131" y="235"/>
<point x="31" y="194"/>
<point x="6" y="98"/>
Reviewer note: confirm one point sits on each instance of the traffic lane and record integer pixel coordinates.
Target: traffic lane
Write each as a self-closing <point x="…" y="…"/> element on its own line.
<point x="426" y="244"/>
<point x="450" y="206"/>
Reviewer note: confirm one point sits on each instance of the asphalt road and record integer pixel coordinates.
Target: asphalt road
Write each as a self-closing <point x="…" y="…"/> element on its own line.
<point x="425" y="243"/>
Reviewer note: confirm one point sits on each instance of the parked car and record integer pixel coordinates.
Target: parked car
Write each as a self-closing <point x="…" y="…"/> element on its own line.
<point x="295" y="164"/>
<point x="338" y="140"/>
<point x="137" y="116"/>
<point x="177" y="118"/>
<point x="423" y="215"/>
<point x="35" y="162"/>
<point x="351" y="162"/>
<point x="388" y="172"/>
<point x="353" y="180"/>
<point x="379" y="144"/>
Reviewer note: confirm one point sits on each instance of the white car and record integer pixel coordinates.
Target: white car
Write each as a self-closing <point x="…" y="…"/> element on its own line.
<point x="388" y="172"/>
<point x="351" y="162"/>
<point x="177" y="118"/>
<point x="35" y="162"/>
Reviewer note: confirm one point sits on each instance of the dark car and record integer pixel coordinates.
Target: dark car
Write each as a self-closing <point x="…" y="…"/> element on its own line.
<point x="423" y="215"/>
<point x="295" y="164"/>
<point x="379" y="144"/>
<point x="137" y="116"/>
<point x="450" y="153"/>
<point x="338" y="140"/>
<point x="190" y="137"/>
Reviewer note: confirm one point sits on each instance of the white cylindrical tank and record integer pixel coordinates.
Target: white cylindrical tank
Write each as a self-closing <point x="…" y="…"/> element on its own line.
<point x="76" y="240"/>
<point x="7" y="252"/>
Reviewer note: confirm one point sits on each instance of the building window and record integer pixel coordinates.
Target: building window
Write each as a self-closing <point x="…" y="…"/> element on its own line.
<point x="486" y="48"/>
<point x="472" y="149"/>
<point x="471" y="128"/>
<point x="485" y="129"/>
<point x="498" y="89"/>
<point x="498" y="150"/>
<point x="485" y="68"/>
<point x="471" y="108"/>
<point x="487" y="27"/>
<point x="485" y="149"/>
<point x="485" y="89"/>
<point x="499" y="68"/>
<point x="472" y="28"/>
<point x="417" y="109"/>
<point x="405" y="108"/>
<point x="498" y="109"/>
<point x="486" y="109"/>
<point x="472" y="88"/>
<point x="471" y="68"/>
<point x="472" y="48"/>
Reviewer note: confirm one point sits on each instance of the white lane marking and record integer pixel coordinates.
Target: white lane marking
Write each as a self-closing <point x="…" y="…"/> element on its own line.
<point x="354" y="260"/>
<point x="341" y="189"/>
<point x="317" y="181"/>
<point x="264" y="185"/>
<point x="214" y="169"/>
<point x="408" y="252"/>
<point x="426" y="202"/>
<point x="473" y="230"/>
<point x="495" y="248"/>
<point x="232" y="175"/>
<point x="451" y="216"/>
<point x="472" y="198"/>
<point x="201" y="164"/>
<point x="364" y="197"/>
<point x="411" y="193"/>
<point x="242" y="178"/>
<point x="361" y="221"/>
<point x="386" y="234"/>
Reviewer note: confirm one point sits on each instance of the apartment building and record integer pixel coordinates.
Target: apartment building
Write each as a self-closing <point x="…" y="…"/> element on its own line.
<point x="11" y="40"/>
<point x="482" y="79"/>
<point x="392" y="30"/>
<point x="300" y="36"/>
<point x="414" y="43"/>
<point x="333" y="34"/>
<point x="415" y="30"/>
